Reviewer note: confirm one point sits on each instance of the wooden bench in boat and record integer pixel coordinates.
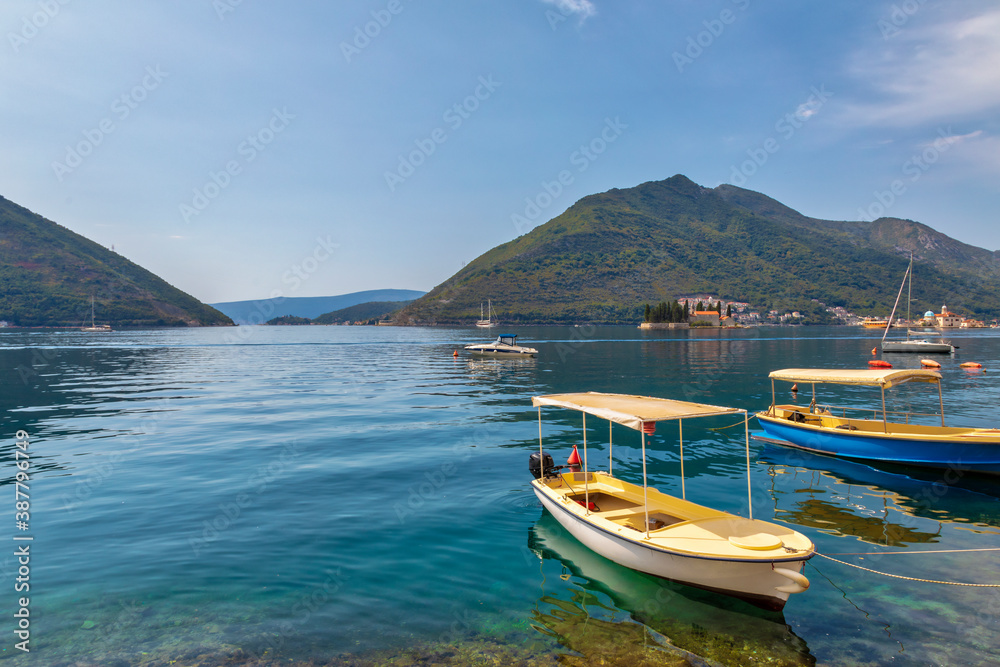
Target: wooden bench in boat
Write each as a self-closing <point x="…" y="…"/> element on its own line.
<point x="625" y="512"/>
<point x="636" y="519"/>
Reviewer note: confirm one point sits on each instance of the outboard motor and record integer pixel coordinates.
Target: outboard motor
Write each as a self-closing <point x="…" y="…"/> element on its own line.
<point x="540" y="464"/>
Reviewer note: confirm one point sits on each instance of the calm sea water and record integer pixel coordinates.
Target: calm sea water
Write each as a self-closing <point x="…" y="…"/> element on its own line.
<point x="357" y="493"/>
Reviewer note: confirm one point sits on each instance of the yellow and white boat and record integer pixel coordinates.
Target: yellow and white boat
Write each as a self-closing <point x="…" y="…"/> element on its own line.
<point x="647" y="530"/>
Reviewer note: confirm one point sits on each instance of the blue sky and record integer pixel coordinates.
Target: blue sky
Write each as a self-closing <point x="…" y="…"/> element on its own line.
<point x="242" y="148"/>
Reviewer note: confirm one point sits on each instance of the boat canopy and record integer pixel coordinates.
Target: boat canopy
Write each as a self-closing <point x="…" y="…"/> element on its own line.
<point x="631" y="411"/>
<point x="875" y="377"/>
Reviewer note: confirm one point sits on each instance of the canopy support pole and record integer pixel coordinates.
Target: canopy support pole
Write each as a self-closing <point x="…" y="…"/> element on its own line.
<point x="774" y="400"/>
<point x="541" y="456"/>
<point x="680" y="437"/>
<point x="885" y="424"/>
<point x="586" y="473"/>
<point x="645" y="503"/>
<point x="746" y="428"/>
<point x="610" y="460"/>
<point x="941" y="402"/>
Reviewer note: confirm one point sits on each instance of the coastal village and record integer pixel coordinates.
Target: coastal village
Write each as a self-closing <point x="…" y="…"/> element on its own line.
<point x="712" y="310"/>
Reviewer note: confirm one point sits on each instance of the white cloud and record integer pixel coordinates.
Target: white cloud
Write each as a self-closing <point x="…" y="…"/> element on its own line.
<point x="933" y="69"/>
<point x="981" y="152"/>
<point x="808" y="109"/>
<point x="960" y="138"/>
<point x="582" y="8"/>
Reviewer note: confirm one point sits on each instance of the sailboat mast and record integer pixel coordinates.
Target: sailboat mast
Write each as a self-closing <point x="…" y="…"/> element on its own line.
<point x="895" y="305"/>
<point x="909" y="292"/>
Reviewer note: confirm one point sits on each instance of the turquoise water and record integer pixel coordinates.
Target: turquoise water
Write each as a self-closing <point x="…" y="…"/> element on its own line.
<point x="359" y="494"/>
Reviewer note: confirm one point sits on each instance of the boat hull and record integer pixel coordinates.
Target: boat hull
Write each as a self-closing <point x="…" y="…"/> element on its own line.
<point x="979" y="451"/>
<point x="501" y="351"/>
<point x="756" y="581"/>
<point x="917" y="346"/>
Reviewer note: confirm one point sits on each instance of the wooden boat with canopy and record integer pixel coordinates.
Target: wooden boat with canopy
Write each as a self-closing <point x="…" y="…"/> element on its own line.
<point x="644" y="529"/>
<point x="889" y="437"/>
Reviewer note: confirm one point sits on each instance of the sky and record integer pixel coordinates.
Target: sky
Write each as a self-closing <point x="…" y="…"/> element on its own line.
<point x="243" y="149"/>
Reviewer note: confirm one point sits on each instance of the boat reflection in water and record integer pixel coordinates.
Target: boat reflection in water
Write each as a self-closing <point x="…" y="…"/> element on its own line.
<point x="648" y="612"/>
<point x="882" y="504"/>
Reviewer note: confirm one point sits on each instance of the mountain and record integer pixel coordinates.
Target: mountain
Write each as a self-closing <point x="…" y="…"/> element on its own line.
<point x="48" y="275"/>
<point x="612" y="252"/>
<point x="363" y="311"/>
<point x="262" y="310"/>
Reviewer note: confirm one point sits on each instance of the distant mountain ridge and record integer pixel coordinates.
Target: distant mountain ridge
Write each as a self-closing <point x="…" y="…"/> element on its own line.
<point x="261" y="310"/>
<point x="609" y="253"/>
<point x="48" y="275"/>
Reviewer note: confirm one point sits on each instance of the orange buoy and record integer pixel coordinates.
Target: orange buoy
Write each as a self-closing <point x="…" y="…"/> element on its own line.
<point x="455" y="353"/>
<point x="930" y="363"/>
<point x="879" y="363"/>
<point x="574" y="458"/>
<point x="795" y="387"/>
<point x="970" y="364"/>
<point x="873" y="351"/>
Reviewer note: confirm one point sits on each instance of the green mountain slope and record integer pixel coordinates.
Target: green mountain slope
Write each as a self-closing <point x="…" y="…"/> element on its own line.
<point x="48" y="275"/>
<point x="611" y="252"/>
<point x="362" y="311"/>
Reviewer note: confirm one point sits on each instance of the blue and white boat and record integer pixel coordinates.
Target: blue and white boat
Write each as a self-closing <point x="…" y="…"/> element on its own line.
<point x="822" y="430"/>
<point x="504" y="346"/>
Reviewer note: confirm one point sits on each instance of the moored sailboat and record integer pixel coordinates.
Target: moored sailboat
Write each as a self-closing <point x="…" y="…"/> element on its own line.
<point x="93" y="328"/>
<point x="911" y="344"/>
<point x="486" y="321"/>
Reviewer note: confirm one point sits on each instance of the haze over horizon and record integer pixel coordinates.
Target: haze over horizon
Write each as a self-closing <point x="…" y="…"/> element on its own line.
<point x="237" y="148"/>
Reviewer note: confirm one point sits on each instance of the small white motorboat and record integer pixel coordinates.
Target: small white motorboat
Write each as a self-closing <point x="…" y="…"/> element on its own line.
<point x="652" y="532"/>
<point x="505" y="345"/>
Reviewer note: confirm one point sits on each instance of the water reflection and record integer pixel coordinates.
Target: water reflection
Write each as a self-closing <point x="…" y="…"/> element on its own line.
<point x="833" y="518"/>
<point x="671" y="616"/>
<point x="943" y="496"/>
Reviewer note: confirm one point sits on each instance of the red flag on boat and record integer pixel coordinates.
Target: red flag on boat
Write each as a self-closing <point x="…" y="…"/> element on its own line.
<point x="574" y="458"/>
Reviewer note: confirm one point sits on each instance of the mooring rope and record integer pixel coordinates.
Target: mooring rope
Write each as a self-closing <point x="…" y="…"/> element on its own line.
<point x="739" y="423"/>
<point x="899" y="553"/>
<point x="899" y="576"/>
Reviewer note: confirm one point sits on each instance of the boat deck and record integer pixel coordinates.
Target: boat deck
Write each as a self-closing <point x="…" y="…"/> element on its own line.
<point x="675" y="524"/>
<point x="825" y="419"/>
